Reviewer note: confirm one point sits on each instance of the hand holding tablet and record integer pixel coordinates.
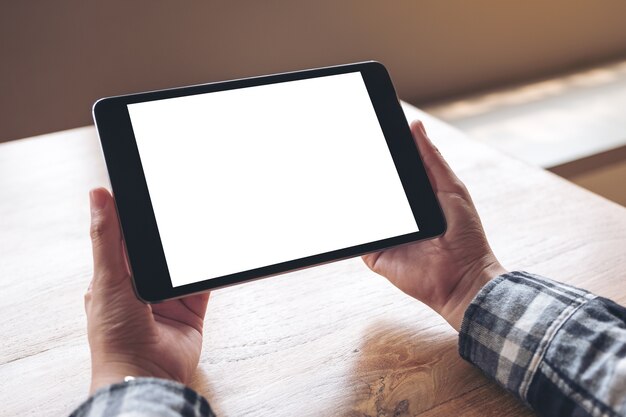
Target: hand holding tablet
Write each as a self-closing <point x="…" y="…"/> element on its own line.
<point x="222" y="183"/>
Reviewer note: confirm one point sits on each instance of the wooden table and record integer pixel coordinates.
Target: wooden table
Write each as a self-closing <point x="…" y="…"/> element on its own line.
<point x="334" y="340"/>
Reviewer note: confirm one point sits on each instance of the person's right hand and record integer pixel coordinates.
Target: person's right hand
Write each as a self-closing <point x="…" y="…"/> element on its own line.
<point x="126" y="336"/>
<point x="446" y="272"/>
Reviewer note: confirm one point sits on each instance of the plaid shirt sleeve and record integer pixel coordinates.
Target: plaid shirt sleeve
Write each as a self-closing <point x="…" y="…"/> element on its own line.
<point x="559" y="349"/>
<point x="145" y="397"/>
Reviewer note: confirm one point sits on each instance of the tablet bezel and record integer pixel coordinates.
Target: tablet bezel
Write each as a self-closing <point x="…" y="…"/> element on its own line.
<point x="139" y="227"/>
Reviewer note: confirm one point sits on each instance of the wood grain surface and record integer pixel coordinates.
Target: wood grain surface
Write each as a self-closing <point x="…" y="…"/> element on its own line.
<point x="334" y="340"/>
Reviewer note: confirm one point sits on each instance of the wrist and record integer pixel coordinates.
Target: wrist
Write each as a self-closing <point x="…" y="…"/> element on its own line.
<point x="466" y="290"/>
<point x="114" y="373"/>
<point x="115" y="370"/>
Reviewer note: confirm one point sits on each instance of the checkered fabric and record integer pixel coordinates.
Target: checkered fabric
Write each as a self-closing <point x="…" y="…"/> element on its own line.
<point x="145" y="397"/>
<point x="560" y="349"/>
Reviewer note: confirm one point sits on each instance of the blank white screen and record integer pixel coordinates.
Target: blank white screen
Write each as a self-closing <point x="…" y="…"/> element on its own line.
<point x="246" y="178"/>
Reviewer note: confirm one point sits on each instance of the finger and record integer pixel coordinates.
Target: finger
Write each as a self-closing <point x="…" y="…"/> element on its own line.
<point x="106" y="239"/>
<point x="189" y="310"/>
<point x="197" y="303"/>
<point x="439" y="172"/>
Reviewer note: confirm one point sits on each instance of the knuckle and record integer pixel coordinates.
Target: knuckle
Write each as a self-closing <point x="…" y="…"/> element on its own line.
<point x="96" y="231"/>
<point x="460" y="188"/>
<point x="88" y="297"/>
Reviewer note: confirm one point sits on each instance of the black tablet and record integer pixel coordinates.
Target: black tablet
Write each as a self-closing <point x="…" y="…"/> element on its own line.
<point x="222" y="183"/>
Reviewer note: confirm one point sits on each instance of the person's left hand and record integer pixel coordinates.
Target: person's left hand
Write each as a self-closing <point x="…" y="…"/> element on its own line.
<point x="126" y="336"/>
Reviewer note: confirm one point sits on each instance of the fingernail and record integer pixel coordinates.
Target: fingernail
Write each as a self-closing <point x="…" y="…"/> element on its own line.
<point x="420" y="126"/>
<point x="423" y="128"/>
<point x="97" y="200"/>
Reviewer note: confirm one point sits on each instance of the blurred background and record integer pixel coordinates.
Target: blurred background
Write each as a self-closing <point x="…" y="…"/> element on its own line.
<point x="542" y="81"/>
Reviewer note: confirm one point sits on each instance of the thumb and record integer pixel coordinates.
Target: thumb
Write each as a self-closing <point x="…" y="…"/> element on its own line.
<point x="106" y="240"/>
<point x="439" y="172"/>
